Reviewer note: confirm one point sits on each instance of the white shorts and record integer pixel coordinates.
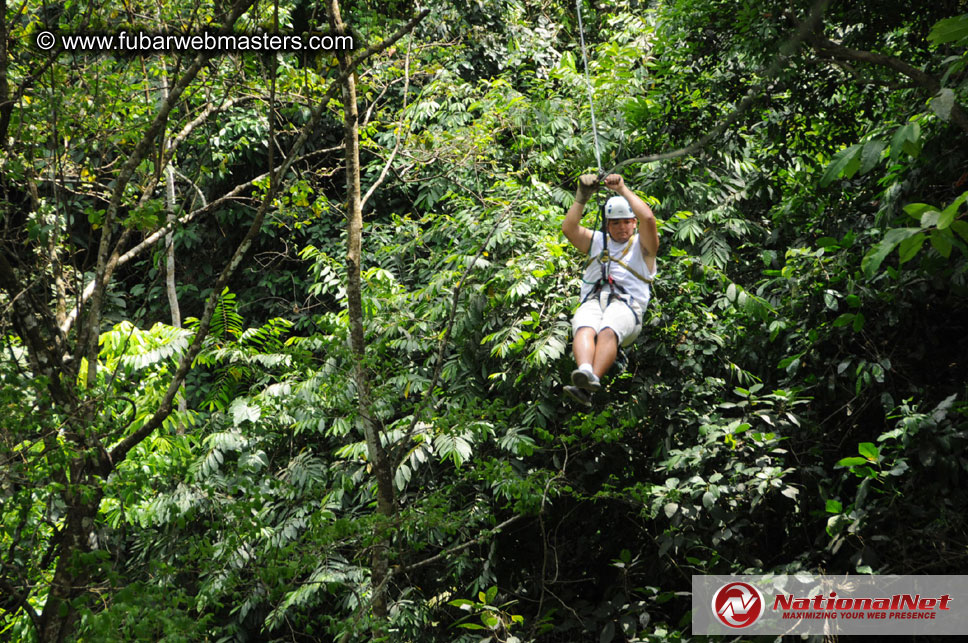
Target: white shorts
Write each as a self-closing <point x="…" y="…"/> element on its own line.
<point x="623" y="315"/>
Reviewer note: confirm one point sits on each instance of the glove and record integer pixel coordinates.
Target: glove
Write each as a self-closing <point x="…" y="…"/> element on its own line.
<point x="587" y="185"/>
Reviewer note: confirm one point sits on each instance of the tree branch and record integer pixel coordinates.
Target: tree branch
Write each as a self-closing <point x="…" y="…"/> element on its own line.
<point x="88" y="340"/>
<point x="118" y="259"/>
<point x="396" y="146"/>
<point x="456" y="548"/>
<point x="165" y="407"/>
<point x="786" y="52"/>
<point x="924" y="80"/>
<point x="423" y="563"/>
<point x="444" y="342"/>
<point x="22" y="602"/>
<point x="31" y="325"/>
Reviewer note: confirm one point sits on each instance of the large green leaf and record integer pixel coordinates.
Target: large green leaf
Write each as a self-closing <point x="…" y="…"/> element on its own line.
<point x="961" y="227"/>
<point x="871" y="155"/>
<point x="948" y="215"/>
<point x="845" y="162"/>
<point x="869" y="450"/>
<point x="950" y="30"/>
<point x="916" y="210"/>
<point x="875" y="256"/>
<point x="941" y="241"/>
<point x="909" y="248"/>
<point x="906" y="139"/>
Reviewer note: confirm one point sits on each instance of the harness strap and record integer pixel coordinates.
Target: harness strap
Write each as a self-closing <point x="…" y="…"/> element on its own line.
<point x="623" y="297"/>
<point x="633" y="271"/>
<point x="605" y="258"/>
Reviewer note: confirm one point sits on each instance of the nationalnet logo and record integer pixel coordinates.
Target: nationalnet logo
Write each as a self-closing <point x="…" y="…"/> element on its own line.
<point x="738" y="605"/>
<point x="896" y="607"/>
<point x="830" y="605"/>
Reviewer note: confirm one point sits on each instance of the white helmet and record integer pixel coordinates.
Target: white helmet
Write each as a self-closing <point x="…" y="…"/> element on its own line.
<point x="618" y="208"/>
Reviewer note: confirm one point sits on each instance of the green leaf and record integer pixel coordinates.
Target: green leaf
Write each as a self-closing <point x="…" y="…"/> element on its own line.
<point x="850" y="462"/>
<point x="949" y="213"/>
<point x="830" y="299"/>
<point x="241" y="411"/>
<point x="910" y="247"/>
<point x="915" y="210"/>
<point x="946" y="219"/>
<point x="852" y="166"/>
<point x="943" y="102"/>
<point x="961" y="227"/>
<point x="491" y="593"/>
<point x="827" y="242"/>
<point x="949" y="30"/>
<point x="844" y="159"/>
<point x="871" y="155"/>
<point x="608" y="633"/>
<point x="858" y="322"/>
<point x="875" y="256"/>
<point x="941" y="242"/>
<point x="930" y="218"/>
<point x="906" y="139"/>
<point x="868" y="450"/>
<point x="843" y="320"/>
<point x="911" y="148"/>
<point x="834" y="507"/>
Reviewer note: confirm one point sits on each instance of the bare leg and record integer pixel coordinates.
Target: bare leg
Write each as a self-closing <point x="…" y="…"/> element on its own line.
<point x="606" y="348"/>
<point x="584" y="345"/>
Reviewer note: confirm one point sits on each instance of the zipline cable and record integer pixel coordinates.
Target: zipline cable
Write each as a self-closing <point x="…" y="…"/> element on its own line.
<point x="588" y="83"/>
<point x="598" y="154"/>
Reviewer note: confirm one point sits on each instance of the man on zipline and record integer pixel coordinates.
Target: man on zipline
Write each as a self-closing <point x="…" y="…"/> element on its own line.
<point x="615" y="287"/>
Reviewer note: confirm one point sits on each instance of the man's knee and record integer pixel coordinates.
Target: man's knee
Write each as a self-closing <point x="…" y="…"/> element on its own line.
<point x="608" y="335"/>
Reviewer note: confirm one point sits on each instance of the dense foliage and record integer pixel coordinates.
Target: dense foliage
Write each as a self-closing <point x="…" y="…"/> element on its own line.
<point x="797" y="400"/>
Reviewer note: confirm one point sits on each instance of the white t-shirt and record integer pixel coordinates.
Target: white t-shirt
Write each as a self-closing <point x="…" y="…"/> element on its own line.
<point x="633" y="258"/>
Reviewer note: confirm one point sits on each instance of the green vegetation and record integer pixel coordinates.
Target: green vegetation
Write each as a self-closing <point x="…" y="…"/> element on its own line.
<point x="282" y="365"/>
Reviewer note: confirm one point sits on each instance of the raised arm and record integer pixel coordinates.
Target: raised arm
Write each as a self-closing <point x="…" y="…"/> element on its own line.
<point x="648" y="231"/>
<point x="575" y="232"/>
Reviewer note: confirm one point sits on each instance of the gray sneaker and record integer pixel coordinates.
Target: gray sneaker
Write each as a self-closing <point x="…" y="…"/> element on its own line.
<point x="585" y="380"/>
<point x="579" y="395"/>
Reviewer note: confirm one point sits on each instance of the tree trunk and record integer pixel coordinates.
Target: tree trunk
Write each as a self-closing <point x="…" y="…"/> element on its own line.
<point x="6" y="107"/>
<point x="167" y="151"/>
<point x="58" y="618"/>
<point x="377" y="454"/>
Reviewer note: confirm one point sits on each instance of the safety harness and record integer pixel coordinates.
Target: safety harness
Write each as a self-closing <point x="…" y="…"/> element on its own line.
<point x="615" y="290"/>
<point x="605" y="258"/>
